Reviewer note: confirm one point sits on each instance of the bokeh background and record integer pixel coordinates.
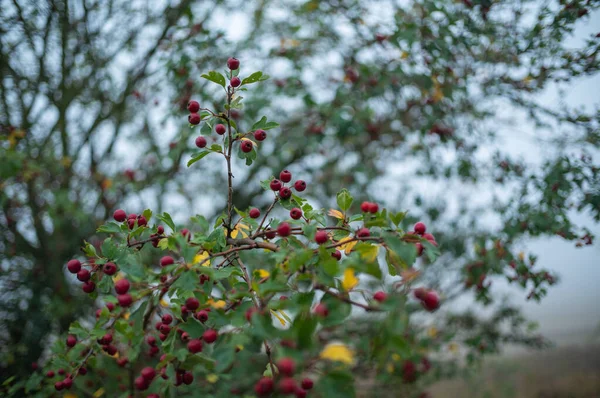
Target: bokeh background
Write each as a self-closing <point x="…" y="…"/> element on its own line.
<point x="479" y="117"/>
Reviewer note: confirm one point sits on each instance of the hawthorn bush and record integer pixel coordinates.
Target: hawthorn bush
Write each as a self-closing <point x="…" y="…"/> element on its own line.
<point x="265" y="301"/>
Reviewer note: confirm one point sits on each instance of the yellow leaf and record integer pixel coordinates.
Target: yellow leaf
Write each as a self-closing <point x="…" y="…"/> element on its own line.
<point x="234" y="233"/>
<point x="338" y="352"/>
<point x="106" y="183"/>
<point x="239" y="347"/>
<point x="370" y="254"/>
<point x="453" y="347"/>
<point x="243" y="226"/>
<point x="283" y="266"/>
<point x="335" y="214"/>
<point x="163" y="303"/>
<point x="409" y="275"/>
<point x="66" y="161"/>
<point x="248" y="139"/>
<point x="118" y="276"/>
<point x="276" y="315"/>
<point x="99" y="392"/>
<point x="201" y="257"/>
<point x="217" y="304"/>
<point x="347" y="247"/>
<point x="432" y="332"/>
<point x="263" y="273"/>
<point x="350" y="280"/>
<point x="126" y="316"/>
<point x="396" y="357"/>
<point x="521" y="256"/>
<point x="212" y="378"/>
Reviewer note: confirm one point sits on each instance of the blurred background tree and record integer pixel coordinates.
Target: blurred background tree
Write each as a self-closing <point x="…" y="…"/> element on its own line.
<point x="404" y="102"/>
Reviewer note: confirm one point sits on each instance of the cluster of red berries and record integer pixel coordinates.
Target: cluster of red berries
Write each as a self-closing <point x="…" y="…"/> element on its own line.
<point x="410" y="370"/>
<point x="67" y="382"/>
<point x="429" y="298"/>
<point x="419" y="229"/>
<point x="84" y="275"/>
<point x="287" y="385"/>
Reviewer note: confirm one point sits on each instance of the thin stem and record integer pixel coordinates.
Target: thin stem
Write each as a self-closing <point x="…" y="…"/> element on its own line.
<point x="265" y="217"/>
<point x="230" y="91"/>
<point x="345" y="299"/>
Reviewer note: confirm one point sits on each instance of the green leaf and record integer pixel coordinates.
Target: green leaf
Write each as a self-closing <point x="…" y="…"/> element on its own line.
<point x="344" y="200"/>
<point x="89" y="250"/>
<point x="77" y="330"/>
<point x="187" y="281"/>
<point x="406" y="252"/>
<point x="166" y="218"/>
<point x="336" y="384"/>
<point x="263" y="124"/>
<point x="398" y="217"/>
<point x="255" y="77"/>
<point x="215" y="77"/>
<point x="338" y="310"/>
<point x="105" y="284"/>
<point x="194" y="328"/>
<point x="431" y="251"/>
<point x="110" y="228"/>
<point x="147" y="214"/>
<point x="197" y="157"/>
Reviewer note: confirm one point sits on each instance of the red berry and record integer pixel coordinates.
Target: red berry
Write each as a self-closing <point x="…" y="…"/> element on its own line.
<point x="141" y="220"/>
<point x="365" y="206"/>
<point x="122" y="286"/>
<point x="373" y="208"/>
<point x="82" y="371"/>
<point x="165" y="329"/>
<point x="67" y="383"/>
<point x="296" y="213"/>
<point x="83" y="275"/>
<point x="148" y="373"/>
<point x="131" y="223"/>
<point x="321" y="237"/>
<point x="151" y="340"/>
<point x="74" y="266"/>
<point x="246" y="146"/>
<point x="420" y="228"/>
<point x="429" y="237"/>
<point x="285" y="193"/>
<point x="275" y="185"/>
<point x="307" y="383"/>
<point x="233" y="63"/>
<point x="200" y="142"/>
<point x="321" y="310"/>
<point x="89" y="287"/>
<point x="167" y="319"/>
<point x="250" y="313"/>
<point x="420" y="292"/>
<point x="363" y="233"/>
<point x="431" y="301"/>
<point x="264" y="386"/>
<point x="188" y="378"/>
<point x="71" y="340"/>
<point x="271" y="233"/>
<point x="337" y="255"/>
<point x="61" y="372"/>
<point x="409" y="372"/>
<point x="300" y="185"/>
<point x="193" y="106"/>
<point x="120" y="215"/>
<point x="254" y="213"/>
<point x="202" y="316"/>
<point x="287" y="385"/>
<point x="162" y="336"/>
<point x="285" y="176"/>
<point x="194" y="346"/>
<point x="286" y="366"/>
<point x="380" y="296"/>
<point x="260" y="135"/>
<point x="419" y="247"/>
<point x="110" y="306"/>
<point x="122" y="362"/>
<point x="284" y="229"/>
<point x="235" y="81"/>
<point x="125" y="300"/>
<point x="58" y="385"/>
<point x="160" y="230"/>
<point x="141" y="383"/>
<point x="50" y="374"/>
<point x="300" y="393"/>
<point x="166" y="260"/>
<point x="184" y="309"/>
<point x="220" y="129"/>
<point x="194" y="118"/>
<point x="192" y="303"/>
<point x="210" y="336"/>
<point x="110" y="268"/>
<point x="107" y="338"/>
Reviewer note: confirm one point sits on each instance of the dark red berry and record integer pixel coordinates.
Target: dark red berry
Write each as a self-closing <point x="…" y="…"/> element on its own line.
<point x="321" y="310"/>
<point x="300" y="393"/>
<point x="83" y="275"/>
<point x="110" y="268"/>
<point x="220" y="129"/>
<point x="141" y="383"/>
<point x="275" y="185"/>
<point x="337" y="255"/>
<point x="151" y="340"/>
<point x="233" y="63"/>
<point x="82" y="371"/>
<point x="188" y="378"/>
<point x="285" y="193"/>
<point x="200" y="142"/>
<point x="89" y="287"/>
<point x="250" y="313"/>
<point x="61" y="372"/>
<point x="420" y="228"/>
<point x="194" y="346"/>
<point x="122" y="286"/>
<point x="300" y="185"/>
<point x="431" y="301"/>
<point x="363" y="233"/>
<point x="192" y="303"/>
<point x="107" y="338"/>
<point x="110" y="306"/>
<point x="194" y="118"/>
<point x="264" y="386"/>
<point x="235" y="81"/>
<point x="284" y="229"/>
<point x="420" y="248"/>
<point x="120" y="215"/>
<point x="71" y="340"/>
<point x="160" y="230"/>
<point x="270" y="233"/>
<point x="202" y="316"/>
<point x="193" y="106"/>
<point x="167" y="319"/>
<point x="254" y="213"/>
<point x="50" y="374"/>
<point x="285" y="176"/>
<point x="373" y="208"/>
<point x="365" y="206"/>
<point x="287" y="385"/>
<point x="296" y="213"/>
<point x="260" y="135"/>
<point x="380" y="296"/>
<point x="286" y="366"/>
<point x="58" y="385"/>
<point x="246" y="146"/>
<point x="321" y="237"/>
<point x="125" y="300"/>
<point x="141" y="220"/>
<point x="210" y="336"/>
<point x="148" y="373"/>
<point x="74" y="266"/>
<point x="420" y="293"/>
<point x="166" y="260"/>
<point x="307" y="383"/>
<point x="67" y="383"/>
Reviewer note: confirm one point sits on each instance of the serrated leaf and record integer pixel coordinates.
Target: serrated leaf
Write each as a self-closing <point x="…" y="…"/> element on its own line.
<point x="110" y="228"/>
<point x="89" y="249"/>
<point x="215" y="77"/>
<point x="166" y="218"/>
<point x="255" y="77"/>
<point x="263" y="124"/>
<point x="344" y="200"/>
<point x="197" y="157"/>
